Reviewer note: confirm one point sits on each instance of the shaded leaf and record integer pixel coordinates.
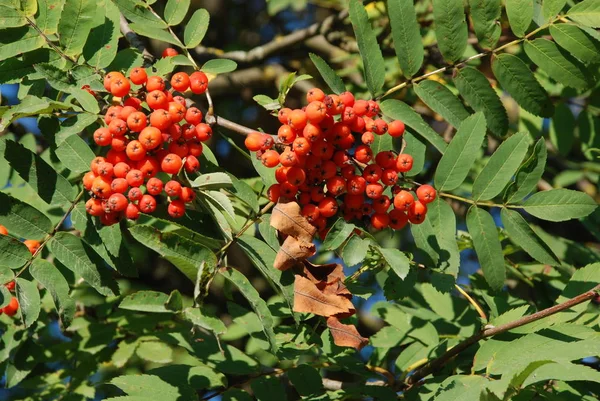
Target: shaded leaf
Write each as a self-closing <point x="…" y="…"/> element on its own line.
<point x="306" y="380"/>
<point x="154" y="33"/>
<point x="140" y="15"/>
<point x="23" y="220"/>
<point x="562" y="129"/>
<point x="501" y="166"/>
<point x="44" y="272"/>
<point x="518" y="80"/>
<point x="337" y="234"/>
<point x="147" y="387"/>
<point x="529" y="174"/>
<point x="256" y="302"/>
<point x="476" y="90"/>
<point x="146" y="301"/>
<point x="523" y="236"/>
<point x="370" y="51"/>
<point x="396" y="260"/>
<point x="75" y="154"/>
<point x="14" y="253"/>
<point x="355" y="250"/>
<point x="29" y="301"/>
<point x="102" y="44"/>
<point x="155" y="351"/>
<point x="458" y="159"/>
<point x="199" y="318"/>
<point x="483" y="231"/>
<point x="406" y="35"/>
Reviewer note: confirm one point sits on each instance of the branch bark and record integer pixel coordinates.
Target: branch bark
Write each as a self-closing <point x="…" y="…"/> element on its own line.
<point x="436" y="364"/>
<point x="261" y="52"/>
<point x="134" y="40"/>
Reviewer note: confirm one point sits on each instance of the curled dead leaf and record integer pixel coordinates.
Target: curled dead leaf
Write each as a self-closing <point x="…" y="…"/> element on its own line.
<point x="292" y="252"/>
<point x="308" y="298"/>
<point x="287" y="219"/>
<point x="345" y="335"/>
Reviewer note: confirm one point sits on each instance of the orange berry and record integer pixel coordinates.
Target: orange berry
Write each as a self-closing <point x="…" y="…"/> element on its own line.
<point x="403" y="200"/>
<point x="187" y="194"/>
<point x="180" y="81"/>
<point x="117" y="202"/>
<point x="157" y="99"/>
<point x="154" y="186"/>
<point x="120" y="86"/>
<point x="396" y="128"/>
<point x="155" y="83"/>
<point x="379" y="221"/>
<point x="132" y="212"/>
<point x="315" y="94"/>
<point x="193" y="115"/>
<point x="150" y="138"/>
<point x="417" y="212"/>
<point x="135" y="150"/>
<point x="138" y="76"/>
<point x="3" y="230"/>
<point x="270" y="158"/>
<point x="161" y="119"/>
<point x="169" y="52"/>
<point x="198" y="82"/>
<point x="171" y="164"/>
<point x="398" y="219"/>
<point x="404" y="163"/>
<point x="253" y="142"/>
<point x="203" y="132"/>
<point x="274" y="192"/>
<point x="147" y="204"/>
<point x="426" y="194"/>
<point x="32" y="245"/>
<point x="173" y="189"/>
<point x="12" y="307"/>
<point x="102" y="137"/>
<point x="176" y="209"/>
<point x="137" y="121"/>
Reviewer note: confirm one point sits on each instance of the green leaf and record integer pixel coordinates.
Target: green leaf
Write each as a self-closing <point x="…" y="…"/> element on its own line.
<point x="73" y="126"/>
<point x="78" y="257"/>
<point x="103" y="42"/>
<point x="125" y="60"/>
<point x="563" y="371"/>
<point x="268" y="388"/>
<point x="529" y="174"/>
<point x="559" y="205"/>
<point x="175" y="11"/>
<point x="49" y="276"/>
<point x="199" y="318"/>
<point x="370" y="51"/>
<point x="266" y="102"/>
<point x="577" y="42"/>
<point x="153" y="33"/>
<point x="76" y="21"/>
<point x="212" y="181"/>
<point x="268" y="233"/>
<point x="406" y="34"/>
<point x="185" y="254"/>
<point x="332" y="80"/>
<point x="256" y="302"/>
<point x="155" y="351"/>
<point x="146" y="301"/>
<point x="306" y="380"/>
<point x="483" y="231"/>
<point x="458" y="158"/>
<point x="559" y="65"/>
<point x="196" y="28"/>
<point x="11" y="16"/>
<point x="451" y="28"/>
<point x="29" y="106"/>
<point x="219" y="66"/>
<point x="550" y="8"/>
<point x="399" y="110"/>
<point x="29" y="301"/>
<point x="582" y="280"/>
<point x="17" y="41"/>
<point x="266" y="174"/>
<point x="136" y="12"/>
<point x="485" y="15"/>
<point x="6" y="275"/>
<point x="587" y="13"/>
<point x="523" y="236"/>
<point x="75" y="154"/>
<point x="147" y="387"/>
<point x="52" y="187"/>
<point x="520" y="14"/>
<point x="437" y="236"/>
<point x="466" y="388"/>
<point x="23" y="220"/>
<point x="396" y="260"/>
<point x="245" y="193"/>
<point x="48" y="15"/>
<point x="417" y="148"/>
<point x="562" y="129"/>
<point x="518" y="80"/>
<point x="355" y="250"/>
<point x="263" y="257"/>
<point x="441" y="100"/>
<point x="5" y="295"/>
<point x="57" y="78"/>
<point x="220" y="201"/>
<point x="338" y="233"/>
<point x="14" y="253"/>
<point x="86" y="100"/>
<point x="476" y="90"/>
<point x="29" y="7"/>
<point x="501" y="166"/>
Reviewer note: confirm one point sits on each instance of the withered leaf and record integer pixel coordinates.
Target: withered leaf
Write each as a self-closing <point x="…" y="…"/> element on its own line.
<point x="293" y="251"/>
<point x="345" y="335"/>
<point x="308" y="298"/>
<point x="329" y="273"/>
<point x="286" y="218"/>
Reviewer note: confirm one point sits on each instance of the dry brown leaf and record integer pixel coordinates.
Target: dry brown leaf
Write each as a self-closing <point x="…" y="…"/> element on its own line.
<point x="345" y="335"/>
<point x="329" y="273"/>
<point x="286" y="218"/>
<point x="292" y="252"/>
<point x="308" y="298"/>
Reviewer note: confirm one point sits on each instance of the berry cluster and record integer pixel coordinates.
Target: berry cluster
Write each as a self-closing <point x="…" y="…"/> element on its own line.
<point x="149" y="131"/>
<point x="322" y="166"/>
<point x="13" y="305"/>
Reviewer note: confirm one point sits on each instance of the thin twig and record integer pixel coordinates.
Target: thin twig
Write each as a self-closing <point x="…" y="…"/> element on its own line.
<point x="437" y="363"/>
<point x="134" y="40"/>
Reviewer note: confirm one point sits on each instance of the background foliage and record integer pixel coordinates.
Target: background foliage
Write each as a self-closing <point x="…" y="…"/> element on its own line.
<point x="502" y="106"/>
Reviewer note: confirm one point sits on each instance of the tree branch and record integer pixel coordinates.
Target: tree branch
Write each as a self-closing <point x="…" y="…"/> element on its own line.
<point x="436" y="364"/>
<point x="134" y="40"/>
<point x="261" y="52"/>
